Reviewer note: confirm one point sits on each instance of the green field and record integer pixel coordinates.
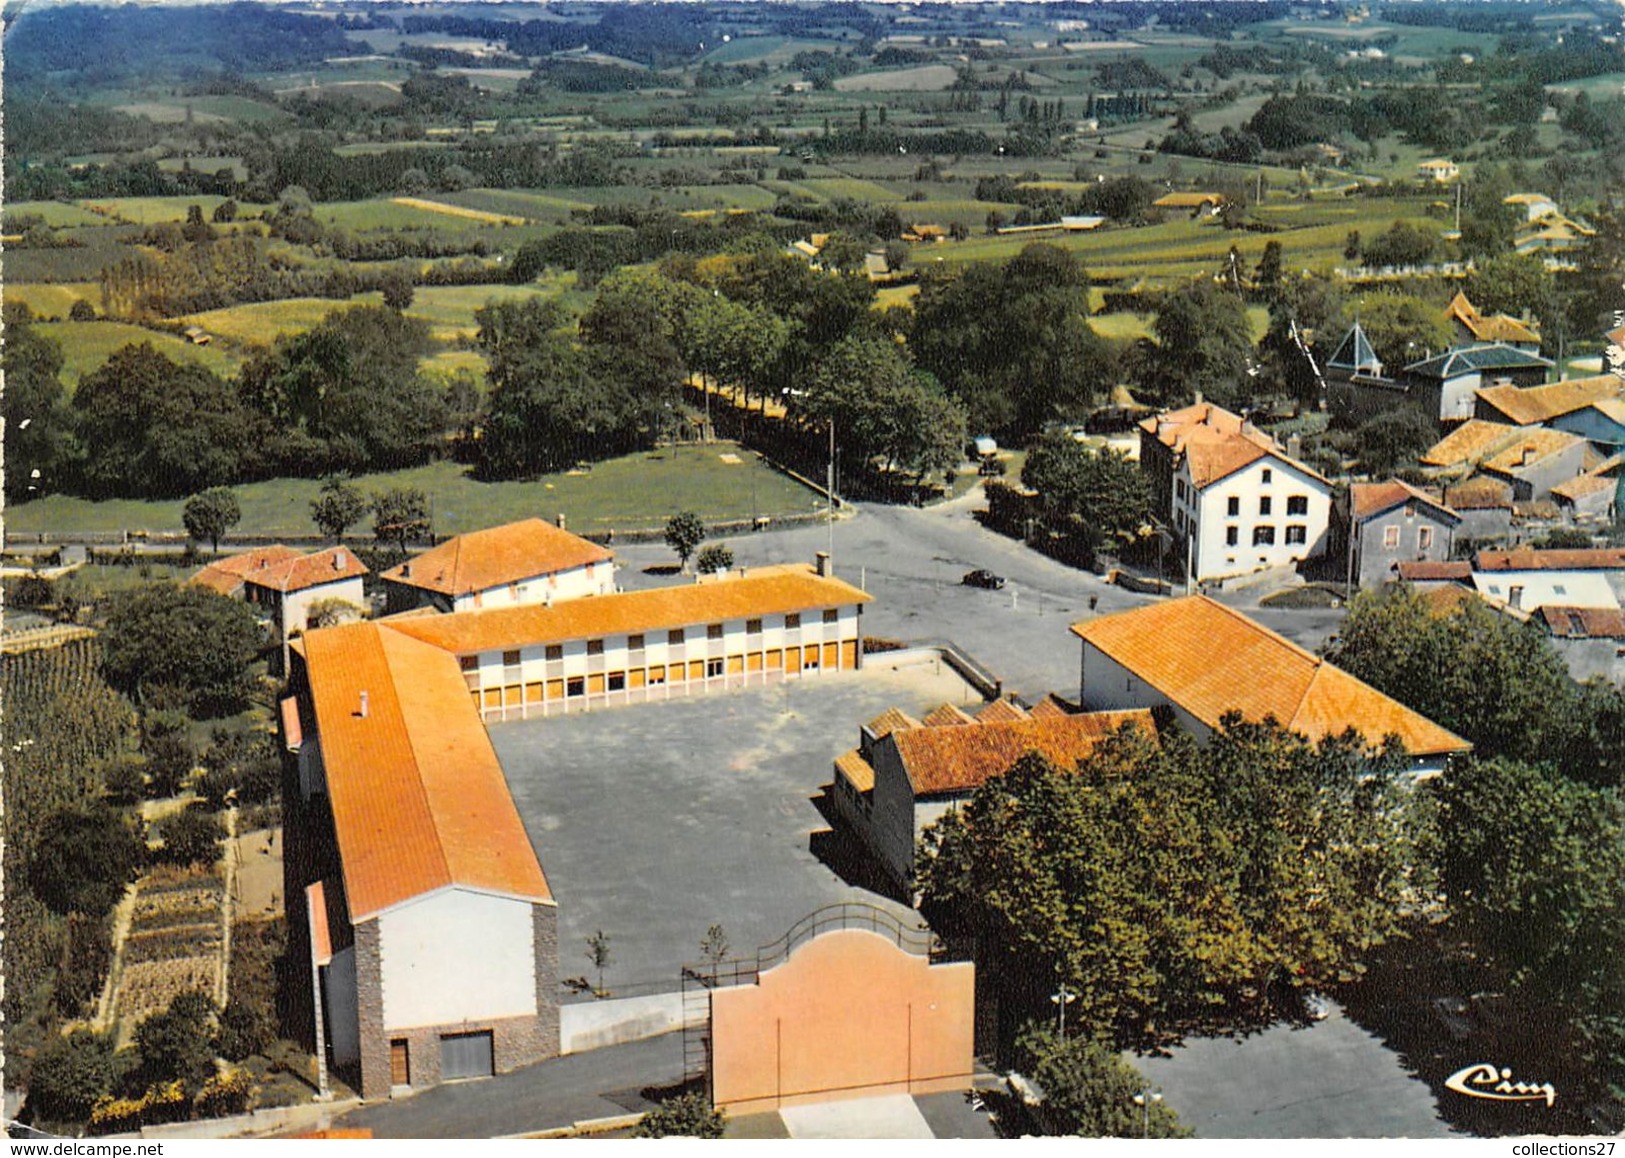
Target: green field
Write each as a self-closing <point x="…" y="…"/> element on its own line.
<point x="359" y="216"/>
<point x="151" y="210"/>
<point x="54" y="301"/>
<point x="239" y="171"/>
<point x="449" y="310"/>
<point x="537" y="206"/>
<point x="640" y="490"/>
<point x="56" y="213"/>
<point x="86" y="345"/>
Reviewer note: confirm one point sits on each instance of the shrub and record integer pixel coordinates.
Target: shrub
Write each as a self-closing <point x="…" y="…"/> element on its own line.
<point x="224" y="1093"/>
<point x="245" y="1030"/>
<point x="689" y="1116"/>
<point x="177" y="1045"/>
<point x="716" y="557"/>
<point x="71" y="1075"/>
<point x="191" y="837"/>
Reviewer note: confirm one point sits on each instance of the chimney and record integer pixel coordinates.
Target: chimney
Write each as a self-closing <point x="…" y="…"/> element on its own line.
<point x="338" y="559"/>
<point x="363" y="712"/>
<point x="823" y="564"/>
<point x="1198" y="400"/>
<point x="1294" y="446"/>
<point x="562" y="527"/>
<point x="1528" y="456"/>
<point x="406" y="570"/>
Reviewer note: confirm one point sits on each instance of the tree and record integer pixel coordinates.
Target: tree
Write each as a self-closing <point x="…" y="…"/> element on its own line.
<point x="83" y="858"/>
<point x="685" y="531"/>
<point x="184" y="637"/>
<point x="598" y="953"/>
<point x="714" y="947"/>
<point x="69" y="1073"/>
<point x="1393" y="439"/>
<point x="41" y="450"/>
<point x="211" y="514"/>
<point x="1402" y="328"/>
<point x="1510" y="283"/>
<point x="1091" y="1092"/>
<point x="1093" y="494"/>
<point x="1267" y="277"/>
<point x="1204" y="342"/>
<point x="1401" y="246"/>
<point x="400" y="515"/>
<point x="688" y="1116"/>
<point x="81" y="311"/>
<point x="397" y="288"/>
<point x="338" y="507"/>
<point x="714" y="558"/>
<point x="192" y="836"/>
<point x="178" y="1044"/>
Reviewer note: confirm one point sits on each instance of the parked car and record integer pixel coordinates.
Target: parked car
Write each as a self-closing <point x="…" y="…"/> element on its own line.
<point x="984" y="579"/>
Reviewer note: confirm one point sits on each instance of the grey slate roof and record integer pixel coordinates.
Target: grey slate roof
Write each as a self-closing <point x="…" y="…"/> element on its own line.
<point x="1467" y="359"/>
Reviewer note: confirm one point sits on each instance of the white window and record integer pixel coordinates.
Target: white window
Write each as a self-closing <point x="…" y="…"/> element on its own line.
<point x="1390" y="537"/>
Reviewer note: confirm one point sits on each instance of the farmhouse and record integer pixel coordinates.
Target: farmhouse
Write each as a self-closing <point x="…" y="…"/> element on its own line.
<point x="1439" y="170"/>
<point x="530" y="561"/>
<point x="906" y="773"/>
<point x="1472" y="326"/>
<point x="1389" y="523"/>
<point x="288" y="587"/>
<point x="1233" y="497"/>
<point x="1202" y="660"/>
<point x="415" y="896"/>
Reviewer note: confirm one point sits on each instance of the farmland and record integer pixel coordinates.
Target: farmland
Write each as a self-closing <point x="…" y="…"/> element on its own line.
<point x="86" y="345"/>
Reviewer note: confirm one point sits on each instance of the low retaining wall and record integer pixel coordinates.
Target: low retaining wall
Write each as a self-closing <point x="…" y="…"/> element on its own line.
<point x="589" y="1025"/>
<point x="973" y="673"/>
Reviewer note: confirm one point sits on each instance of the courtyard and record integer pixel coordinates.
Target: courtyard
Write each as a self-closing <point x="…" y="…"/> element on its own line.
<point x="656" y="822"/>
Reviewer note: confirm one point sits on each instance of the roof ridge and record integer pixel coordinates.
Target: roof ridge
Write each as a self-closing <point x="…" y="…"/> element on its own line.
<point x="411" y="734"/>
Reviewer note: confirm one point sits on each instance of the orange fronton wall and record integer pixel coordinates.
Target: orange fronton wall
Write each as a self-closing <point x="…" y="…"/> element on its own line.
<point x="848" y="1015"/>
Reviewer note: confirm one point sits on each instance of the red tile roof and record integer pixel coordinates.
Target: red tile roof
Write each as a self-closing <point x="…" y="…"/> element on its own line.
<point x="1368" y="500"/>
<point x="1583" y="622"/>
<point x="1215" y="442"/>
<point x="889" y="721"/>
<point x="948" y="716"/>
<point x="1584" y="485"/>
<point x="227" y="575"/>
<point x="481" y="560"/>
<point x="1555" y="559"/>
<point x="303" y="572"/>
<point x="1431" y="571"/>
<point x="1529" y="405"/>
<point x="760" y="591"/>
<point x="1470" y="442"/>
<point x="419" y="800"/>
<point x="1051" y="706"/>
<point x="1210" y="660"/>
<point x="1001" y="709"/>
<point x="954" y="760"/>
<point x="856" y="769"/>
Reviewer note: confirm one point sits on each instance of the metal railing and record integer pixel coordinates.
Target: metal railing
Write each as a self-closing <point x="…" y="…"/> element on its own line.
<point x="915" y="939"/>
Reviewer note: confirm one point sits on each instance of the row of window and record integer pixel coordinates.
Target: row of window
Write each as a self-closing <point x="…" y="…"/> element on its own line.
<point x="675" y="638"/>
<point x="1424" y="537"/>
<point x="1295" y="505"/>
<point x="1264" y="535"/>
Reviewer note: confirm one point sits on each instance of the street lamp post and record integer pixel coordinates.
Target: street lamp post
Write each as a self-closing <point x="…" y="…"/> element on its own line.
<point x="1143" y="1099"/>
<point x="1061" y="1000"/>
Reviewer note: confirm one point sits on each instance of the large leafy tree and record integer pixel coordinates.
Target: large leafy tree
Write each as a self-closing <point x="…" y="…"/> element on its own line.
<point x="629" y="336"/>
<point x="41" y="452"/>
<point x="1013" y="342"/>
<point x="1082" y="491"/>
<point x="1402" y="328"/>
<point x="338" y="507"/>
<point x="211" y="514"/>
<point x="159" y="429"/>
<point x="178" y="1044"/>
<point x="1204" y="342"/>
<point x="70" y="1073"/>
<point x="1168" y="885"/>
<point x="184" y="638"/>
<point x="83" y="858"/>
<point x="400" y="515"/>
<point x="1090" y="1091"/>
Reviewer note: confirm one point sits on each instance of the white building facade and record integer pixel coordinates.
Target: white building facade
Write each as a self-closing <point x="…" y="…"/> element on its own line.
<point x="1269" y="513"/>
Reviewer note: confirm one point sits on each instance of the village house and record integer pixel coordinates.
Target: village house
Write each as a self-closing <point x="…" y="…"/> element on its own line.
<point x="1473" y="327"/>
<point x="906" y="774"/>
<point x="1235" y="500"/>
<point x="1438" y="170"/>
<point x="1528" y="579"/>
<point x="1197" y="204"/>
<point x="290" y="589"/>
<point x="1484" y="506"/>
<point x="1591" y="498"/>
<point x="1531" y="460"/>
<point x="416" y="899"/>
<point x="530" y="561"/>
<point x="1201" y="660"/>
<point x="1442" y="387"/>
<point x="1593" y="408"/>
<point x="1383" y="525"/>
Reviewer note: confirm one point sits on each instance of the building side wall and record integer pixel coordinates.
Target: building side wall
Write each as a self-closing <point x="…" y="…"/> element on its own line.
<point x="1532" y="590"/>
<point x="1109" y="686"/>
<point x="1458" y="397"/>
<point x="1376" y="562"/>
<point x="373" y="1040"/>
<point x="1536" y="480"/>
<point x="343" y="1018"/>
<point x="551" y="587"/>
<point x="457" y="956"/>
<point x="1591" y="425"/>
<point x="849" y="1014"/>
<point x="891" y="827"/>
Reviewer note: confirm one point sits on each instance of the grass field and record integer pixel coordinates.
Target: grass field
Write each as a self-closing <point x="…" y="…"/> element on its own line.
<point x="260" y="322"/>
<point x="239" y="171"/>
<point x="449" y="310"/>
<point x="86" y="345"/>
<point x="360" y="216"/>
<point x="56" y="214"/>
<point x="536" y="206"/>
<point x="151" y="210"/>
<point x="54" y="301"/>
<point x="926" y="78"/>
<point x="640" y="490"/>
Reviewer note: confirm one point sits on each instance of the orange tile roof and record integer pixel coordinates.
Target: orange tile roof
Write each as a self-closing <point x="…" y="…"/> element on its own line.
<point x="1495" y="328"/>
<point x="1210" y="659"/>
<point x="1533" y="443"/>
<point x="1469" y="443"/>
<point x="1616" y="337"/>
<point x="999" y="711"/>
<point x="418" y="798"/>
<point x="292" y="731"/>
<point x="1432" y="571"/>
<point x="948" y="716"/>
<point x="1215" y="442"/>
<point x="1579" y="488"/>
<point x="1554" y="559"/>
<point x="1442" y="600"/>
<point x="1186" y="200"/>
<point x="226" y="575"/>
<point x="1583" y="622"/>
<point x="303" y="572"/>
<point x="1370" y="499"/>
<point x="889" y="721"/>
<point x="758" y="592"/>
<point x="952" y="760"/>
<point x="1531" y="405"/>
<point x="481" y="560"/>
<point x="856" y="769"/>
<point x="1050" y="707"/>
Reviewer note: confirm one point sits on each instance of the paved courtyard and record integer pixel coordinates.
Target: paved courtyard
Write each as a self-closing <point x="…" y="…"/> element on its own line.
<point x="655" y="822"/>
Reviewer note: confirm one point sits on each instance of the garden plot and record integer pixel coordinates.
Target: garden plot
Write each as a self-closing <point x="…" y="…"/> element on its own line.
<point x="174" y="945"/>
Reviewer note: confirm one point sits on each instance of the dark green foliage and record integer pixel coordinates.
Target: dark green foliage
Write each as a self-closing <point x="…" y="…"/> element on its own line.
<point x="1402" y="328"/>
<point x="83" y="858"/>
<point x="966" y="325"/>
<point x="182" y="637"/>
<point x="160" y="430"/>
<point x="70" y="1073"/>
<point x="338" y="507"/>
<point x="191" y="836"/>
<point x="178" y="1044"/>
<point x="685" y="531"/>
<point x="689" y="1116"/>
<point x="170" y="756"/>
<point x="1089" y="1091"/>
<point x="713" y="558"/>
<point x="1204" y="342"/>
<point x="32" y="364"/>
<point x="1402" y="245"/>
<point x="1084" y="490"/>
<point x="242" y="763"/>
<point x="87" y="953"/>
<point x="211" y="514"/>
<point x="400" y="515"/>
<point x="1169" y="886"/>
<point x="1393" y="439"/>
<point x="245" y="1030"/>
